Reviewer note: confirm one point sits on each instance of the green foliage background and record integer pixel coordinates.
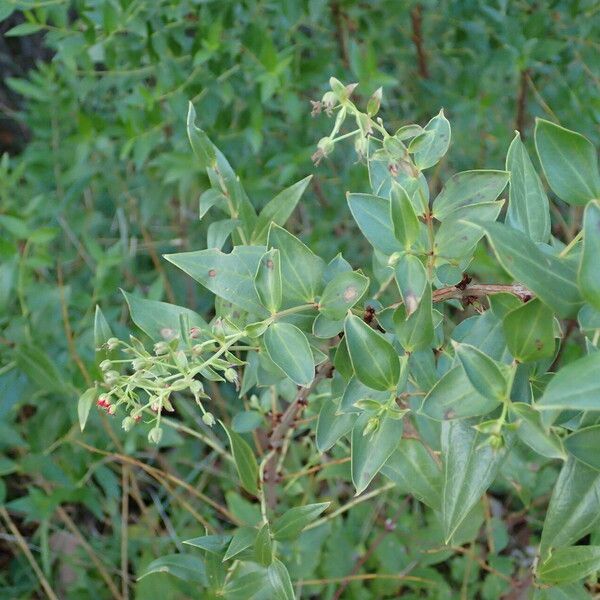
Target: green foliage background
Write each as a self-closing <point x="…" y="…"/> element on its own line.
<point x="106" y="184"/>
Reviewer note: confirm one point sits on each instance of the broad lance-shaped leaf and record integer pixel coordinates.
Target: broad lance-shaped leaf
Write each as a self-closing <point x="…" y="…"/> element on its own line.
<point x="201" y="145"/>
<point x="374" y="360"/>
<point x="372" y="215"/>
<point x="529" y="331"/>
<point x="301" y="270"/>
<point x="331" y="426"/>
<point x="268" y="281"/>
<point x="435" y="143"/>
<point x="570" y="564"/>
<point x="404" y="219"/>
<point x="484" y="373"/>
<point x="182" y="566"/>
<point x="453" y="397"/>
<point x="245" y="461"/>
<point x="160" y="320"/>
<point x="411" y="277"/>
<point x="370" y="452"/>
<point x="86" y="400"/>
<point x="576" y="386"/>
<point x="342" y="293"/>
<point x="290" y="524"/>
<point x="584" y="445"/>
<point x="263" y="546"/>
<point x="214" y="544"/>
<point x="415" y="331"/>
<point x="573" y="509"/>
<point x="289" y="349"/>
<point x="102" y="330"/>
<point x="589" y="267"/>
<point x="468" y="188"/>
<point x="528" y="208"/>
<point x="241" y="540"/>
<point x="532" y="432"/>
<point x="412" y="468"/>
<point x="456" y="237"/>
<point x="280" y="582"/>
<point x="470" y="467"/>
<point x="229" y="276"/>
<point x="548" y="277"/>
<point x="569" y="161"/>
<point x="279" y="209"/>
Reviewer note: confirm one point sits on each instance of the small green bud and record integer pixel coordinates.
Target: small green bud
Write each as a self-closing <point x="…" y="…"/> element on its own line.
<point x="374" y="103"/>
<point x="208" y="419"/>
<point x="111" y="377"/>
<point x="105" y="365"/>
<point x="112" y="343"/>
<point x="196" y="387"/>
<point x="128" y="423"/>
<point x="231" y="375"/>
<point x="496" y="442"/>
<point x="181" y="359"/>
<point x="137" y="364"/>
<point x="155" y="435"/>
<point x="371" y="426"/>
<point x="161" y="348"/>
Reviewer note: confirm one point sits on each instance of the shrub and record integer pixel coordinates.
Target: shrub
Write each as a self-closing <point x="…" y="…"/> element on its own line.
<point x="456" y="391"/>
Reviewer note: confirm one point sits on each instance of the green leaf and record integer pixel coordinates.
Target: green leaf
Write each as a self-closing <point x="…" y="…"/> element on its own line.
<point x="218" y="232"/>
<point x="156" y="318"/>
<point x="415" y="332"/>
<point x="182" y="566"/>
<point x="215" y="544"/>
<point x="457" y="237"/>
<point x="411" y="277"/>
<point x="436" y="142"/>
<point x="542" y="273"/>
<point x="279" y="209"/>
<point x="370" y="452"/>
<point x="280" y="582"/>
<point x="529" y="331"/>
<point x="584" y="445"/>
<point x="589" y="267"/>
<point x="374" y="360"/>
<point x="208" y="199"/>
<point x="576" y="386"/>
<point x="201" y="145"/>
<point x="102" y="330"/>
<point x="528" y="209"/>
<point x="40" y="368"/>
<point x="86" y="400"/>
<point x="413" y="469"/>
<point x="289" y="349"/>
<point x="242" y="539"/>
<point x="469" y="467"/>
<point x="566" y="565"/>
<point x="263" y="546"/>
<point x="484" y="374"/>
<point x="301" y="270"/>
<point x="331" y="426"/>
<point x="532" y="432"/>
<point x="291" y="523"/>
<point x="404" y="219"/>
<point x="245" y="461"/>
<point x="268" y="281"/>
<point x="573" y="509"/>
<point x="569" y="162"/>
<point x="229" y="276"/>
<point x="245" y="586"/>
<point x="372" y="215"/>
<point x="453" y="397"/>
<point x="342" y="293"/>
<point x="468" y="188"/>
<point x="24" y="29"/>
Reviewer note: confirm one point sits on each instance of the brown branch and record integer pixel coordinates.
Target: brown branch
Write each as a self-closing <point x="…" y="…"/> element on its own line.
<point x="340" y="33"/>
<point x="480" y="290"/>
<point x="285" y="423"/>
<point x="522" y="103"/>
<point x="416" y="16"/>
